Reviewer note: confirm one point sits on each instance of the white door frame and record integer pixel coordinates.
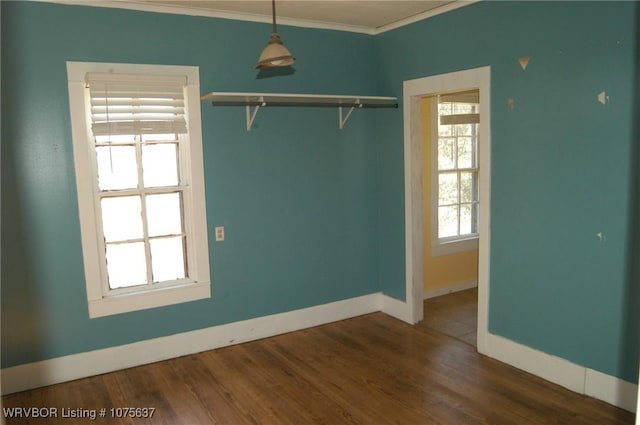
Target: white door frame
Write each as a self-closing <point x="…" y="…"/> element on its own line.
<point x="414" y="90"/>
<point x="638" y="406"/>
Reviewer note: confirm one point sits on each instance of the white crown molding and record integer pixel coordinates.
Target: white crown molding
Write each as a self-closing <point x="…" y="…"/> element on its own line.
<point x="425" y="15"/>
<point x="249" y="17"/>
<point x="211" y="13"/>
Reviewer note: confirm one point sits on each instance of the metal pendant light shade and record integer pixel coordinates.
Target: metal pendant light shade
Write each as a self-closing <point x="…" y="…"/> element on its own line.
<point x="275" y="54"/>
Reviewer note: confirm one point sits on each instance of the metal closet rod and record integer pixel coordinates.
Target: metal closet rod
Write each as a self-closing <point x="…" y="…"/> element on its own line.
<point x="304" y="104"/>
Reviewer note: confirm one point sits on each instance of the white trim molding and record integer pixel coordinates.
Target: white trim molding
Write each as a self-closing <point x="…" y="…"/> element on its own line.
<point x="611" y="390"/>
<point x="638" y="405"/>
<point x="191" y="10"/>
<point x="413" y="91"/>
<point x="425" y="15"/>
<point x="396" y="308"/>
<point x="554" y="369"/>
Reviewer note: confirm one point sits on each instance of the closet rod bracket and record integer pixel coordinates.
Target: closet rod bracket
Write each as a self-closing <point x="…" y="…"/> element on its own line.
<point x="251" y="116"/>
<point x="342" y="121"/>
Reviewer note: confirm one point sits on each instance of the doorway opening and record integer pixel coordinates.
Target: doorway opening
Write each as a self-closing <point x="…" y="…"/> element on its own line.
<point x="452" y="219"/>
<point x="450" y="193"/>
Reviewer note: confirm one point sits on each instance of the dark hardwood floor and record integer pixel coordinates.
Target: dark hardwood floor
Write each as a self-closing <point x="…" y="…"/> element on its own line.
<point x="367" y="370"/>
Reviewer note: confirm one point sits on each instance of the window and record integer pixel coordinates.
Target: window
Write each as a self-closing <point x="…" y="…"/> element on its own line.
<point x="456" y="172"/>
<point x="140" y="180"/>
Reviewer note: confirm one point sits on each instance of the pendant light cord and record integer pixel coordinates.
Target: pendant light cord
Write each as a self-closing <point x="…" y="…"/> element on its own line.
<point x="273" y="10"/>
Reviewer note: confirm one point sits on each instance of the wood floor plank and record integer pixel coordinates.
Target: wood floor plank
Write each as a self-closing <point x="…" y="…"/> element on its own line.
<point x="255" y="391"/>
<point x="346" y="373"/>
<point x="367" y="370"/>
<point x="447" y="386"/>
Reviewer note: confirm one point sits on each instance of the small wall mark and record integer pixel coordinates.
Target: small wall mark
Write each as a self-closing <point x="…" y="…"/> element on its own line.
<point x="603" y="98"/>
<point x="511" y="103"/>
<point x="524" y="62"/>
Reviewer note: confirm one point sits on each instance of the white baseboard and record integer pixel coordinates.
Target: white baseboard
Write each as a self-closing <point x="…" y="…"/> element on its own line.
<point x="81" y="365"/>
<point x="395" y="308"/>
<point x="552" y="368"/>
<point x="611" y="390"/>
<point x="61" y="369"/>
<point x="638" y="406"/>
<point x="444" y="290"/>
<point x="577" y="378"/>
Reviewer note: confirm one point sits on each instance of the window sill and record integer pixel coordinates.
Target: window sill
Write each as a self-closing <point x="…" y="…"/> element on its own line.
<point x="107" y="306"/>
<point x="453" y="247"/>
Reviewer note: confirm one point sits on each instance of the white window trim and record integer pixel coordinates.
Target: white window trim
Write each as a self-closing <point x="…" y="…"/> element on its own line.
<point x="199" y="286"/>
<point x="443" y="246"/>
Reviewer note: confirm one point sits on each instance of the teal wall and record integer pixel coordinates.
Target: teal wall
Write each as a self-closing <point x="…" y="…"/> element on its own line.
<point x="314" y="214"/>
<point x="296" y="194"/>
<point x="562" y="168"/>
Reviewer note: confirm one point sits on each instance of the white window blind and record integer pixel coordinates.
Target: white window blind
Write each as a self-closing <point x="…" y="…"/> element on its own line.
<point x="134" y="104"/>
<point x="470" y="97"/>
<point x="459" y="119"/>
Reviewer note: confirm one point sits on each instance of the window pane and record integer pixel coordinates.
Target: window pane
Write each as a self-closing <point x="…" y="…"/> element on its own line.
<point x="468" y="187"/>
<point x="463" y="108"/>
<point x="167" y="259"/>
<point x="117" y="167"/>
<point x="445" y="130"/>
<point x="447" y="188"/>
<point x="126" y="265"/>
<point x="466" y="153"/>
<point x="164" y="214"/>
<point x="446" y="153"/>
<point x="121" y="218"/>
<point x="445" y="108"/>
<point x="160" y="165"/>
<point x="468" y="219"/>
<point x="447" y="221"/>
<point x="463" y="129"/>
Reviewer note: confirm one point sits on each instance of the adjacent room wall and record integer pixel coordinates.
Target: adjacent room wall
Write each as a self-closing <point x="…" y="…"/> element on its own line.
<point x="561" y="168"/>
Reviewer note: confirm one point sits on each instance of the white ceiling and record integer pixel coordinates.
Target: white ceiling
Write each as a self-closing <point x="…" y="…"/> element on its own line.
<point x="367" y="16"/>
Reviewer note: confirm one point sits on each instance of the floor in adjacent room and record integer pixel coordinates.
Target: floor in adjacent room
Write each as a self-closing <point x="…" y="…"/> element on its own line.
<point x="454" y="314"/>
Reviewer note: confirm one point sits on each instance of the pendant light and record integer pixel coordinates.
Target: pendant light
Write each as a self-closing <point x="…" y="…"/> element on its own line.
<point x="275" y="54"/>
